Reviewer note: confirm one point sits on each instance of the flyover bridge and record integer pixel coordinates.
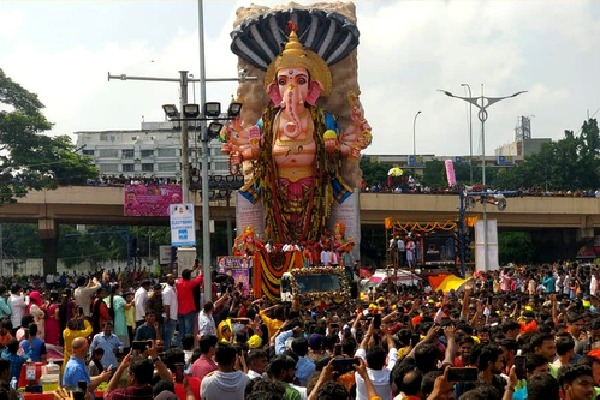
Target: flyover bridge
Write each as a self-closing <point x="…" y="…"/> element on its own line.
<point x="104" y="205"/>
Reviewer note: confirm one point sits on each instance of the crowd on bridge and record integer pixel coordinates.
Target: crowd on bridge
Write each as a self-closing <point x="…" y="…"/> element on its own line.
<point x="520" y="192"/>
<point x="410" y="187"/>
<point x="523" y="332"/>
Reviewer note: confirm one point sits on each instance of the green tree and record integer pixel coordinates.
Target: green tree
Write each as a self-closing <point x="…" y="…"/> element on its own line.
<point x="515" y="247"/>
<point x="434" y="174"/>
<point x="572" y="163"/>
<point x="374" y="172"/>
<point x="20" y="241"/>
<point x="29" y="159"/>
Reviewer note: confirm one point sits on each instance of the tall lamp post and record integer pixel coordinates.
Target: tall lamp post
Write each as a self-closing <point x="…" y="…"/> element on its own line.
<point x="415" y="134"/>
<point x="482" y="103"/>
<point x="470" y="136"/>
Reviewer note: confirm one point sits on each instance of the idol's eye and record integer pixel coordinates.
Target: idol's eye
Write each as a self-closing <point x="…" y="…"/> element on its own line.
<point x="281" y="81"/>
<point x="301" y="81"/>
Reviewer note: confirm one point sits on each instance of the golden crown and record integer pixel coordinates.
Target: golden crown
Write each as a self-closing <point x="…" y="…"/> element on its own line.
<point x="294" y="55"/>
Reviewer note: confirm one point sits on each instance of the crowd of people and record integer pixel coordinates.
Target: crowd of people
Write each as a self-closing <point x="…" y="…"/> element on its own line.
<point x="154" y="338"/>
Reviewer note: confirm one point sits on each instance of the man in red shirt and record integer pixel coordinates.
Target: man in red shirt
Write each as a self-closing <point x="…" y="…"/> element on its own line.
<point x="205" y="364"/>
<point x="186" y="311"/>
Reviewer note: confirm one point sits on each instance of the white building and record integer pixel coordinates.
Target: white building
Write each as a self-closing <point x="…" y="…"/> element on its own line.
<point x="152" y="152"/>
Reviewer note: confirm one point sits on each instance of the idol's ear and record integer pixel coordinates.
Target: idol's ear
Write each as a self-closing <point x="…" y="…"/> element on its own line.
<point x="273" y="93"/>
<point x="315" y="88"/>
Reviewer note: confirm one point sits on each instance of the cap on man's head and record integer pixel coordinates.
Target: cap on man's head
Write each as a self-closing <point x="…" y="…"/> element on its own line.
<point x="255" y="342"/>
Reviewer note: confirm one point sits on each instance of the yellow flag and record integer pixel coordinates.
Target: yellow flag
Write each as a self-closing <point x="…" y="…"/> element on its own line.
<point x="388" y="223"/>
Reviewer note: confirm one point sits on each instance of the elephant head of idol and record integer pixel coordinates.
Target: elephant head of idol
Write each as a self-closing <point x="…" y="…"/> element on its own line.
<point x="295" y="80"/>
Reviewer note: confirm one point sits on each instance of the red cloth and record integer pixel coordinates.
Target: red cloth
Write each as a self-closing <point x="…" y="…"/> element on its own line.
<point x="131" y="393"/>
<point x="185" y="294"/>
<point x="194" y="387"/>
<point x="52" y="327"/>
<point x="202" y="366"/>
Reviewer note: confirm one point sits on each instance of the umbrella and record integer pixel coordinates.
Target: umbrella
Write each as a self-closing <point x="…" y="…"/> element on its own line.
<point x="445" y="283"/>
<point x="395" y="171"/>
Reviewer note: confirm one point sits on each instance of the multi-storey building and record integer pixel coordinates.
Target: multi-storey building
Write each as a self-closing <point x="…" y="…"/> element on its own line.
<point x="152" y="152"/>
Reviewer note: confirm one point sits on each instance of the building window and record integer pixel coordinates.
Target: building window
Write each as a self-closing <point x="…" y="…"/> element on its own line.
<point x="88" y="152"/>
<point x="147" y="153"/>
<point x="127" y="153"/>
<point x="167" y="152"/>
<point x="109" y="167"/>
<point x="108" y="153"/>
<point x="104" y="137"/>
<point x="147" y="167"/>
<point x="219" y="165"/>
<point x="128" y="168"/>
<point x="167" y="167"/>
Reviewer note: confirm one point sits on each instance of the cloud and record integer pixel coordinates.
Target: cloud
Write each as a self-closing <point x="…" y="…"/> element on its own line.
<point x="407" y="51"/>
<point x="12" y="21"/>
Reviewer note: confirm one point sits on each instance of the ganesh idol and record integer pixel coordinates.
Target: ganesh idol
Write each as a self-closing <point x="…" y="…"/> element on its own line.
<point x="297" y="148"/>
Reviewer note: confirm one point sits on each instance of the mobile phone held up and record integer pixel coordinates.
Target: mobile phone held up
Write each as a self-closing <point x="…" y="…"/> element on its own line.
<point x="464" y="374"/>
<point x="345" y="365"/>
<point x="377" y="321"/>
<point x="179" y="369"/>
<point x="520" y="368"/>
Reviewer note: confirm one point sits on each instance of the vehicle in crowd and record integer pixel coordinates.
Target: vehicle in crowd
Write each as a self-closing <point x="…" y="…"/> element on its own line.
<point x="315" y="284"/>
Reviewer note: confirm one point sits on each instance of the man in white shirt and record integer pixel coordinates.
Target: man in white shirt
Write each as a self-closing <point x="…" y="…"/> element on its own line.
<point x="50" y="281"/>
<point x="378" y="371"/>
<point x="141" y="301"/>
<point x="17" y="304"/>
<point x="83" y="294"/>
<point x="206" y="323"/>
<point x="258" y="361"/>
<point x="169" y="299"/>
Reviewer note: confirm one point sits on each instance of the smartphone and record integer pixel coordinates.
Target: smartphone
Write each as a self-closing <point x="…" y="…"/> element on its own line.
<point x="406" y="319"/>
<point x="465" y="374"/>
<point x="337" y="349"/>
<point x="344" y="365"/>
<point x="520" y="368"/>
<point x="179" y="368"/>
<point x="376" y="321"/>
<point x="139" y="345"/>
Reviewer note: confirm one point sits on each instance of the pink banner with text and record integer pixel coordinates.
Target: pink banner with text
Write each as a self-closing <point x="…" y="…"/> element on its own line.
<point x="150" y="200"/>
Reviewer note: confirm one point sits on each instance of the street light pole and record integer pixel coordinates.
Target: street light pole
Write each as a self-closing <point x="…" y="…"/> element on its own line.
<point x="482" y="103"/>
<point x="415" y="134"/>
<point x="185" y="138"/>
<point x="470" y="137"/>
<point x="204" y="170"/>
<point x="183" y="81"/>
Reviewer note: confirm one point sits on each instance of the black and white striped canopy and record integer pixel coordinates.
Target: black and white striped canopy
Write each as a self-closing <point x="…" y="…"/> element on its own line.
<point x="329" y="34"/>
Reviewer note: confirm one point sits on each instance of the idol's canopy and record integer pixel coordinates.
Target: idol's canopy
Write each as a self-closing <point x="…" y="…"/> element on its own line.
<point x="329" y="34"/>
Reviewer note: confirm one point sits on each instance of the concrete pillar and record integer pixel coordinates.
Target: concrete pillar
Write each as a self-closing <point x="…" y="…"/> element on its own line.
<point x="229" y="236"/>
<point x="48" y="231"/>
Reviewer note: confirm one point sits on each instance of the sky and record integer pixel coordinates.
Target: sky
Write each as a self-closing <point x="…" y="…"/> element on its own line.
<point x="63" y="51"/>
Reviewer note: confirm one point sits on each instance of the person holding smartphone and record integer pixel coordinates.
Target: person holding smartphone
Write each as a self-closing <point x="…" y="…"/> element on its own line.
<point x="378" y="370"/>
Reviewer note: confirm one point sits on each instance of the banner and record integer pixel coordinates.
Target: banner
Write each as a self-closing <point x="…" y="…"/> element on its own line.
<point x="349" y="213"/>
<point x="150" y="200"/>
<point x="238" y="268"/>
<point x="248" y="214"/>
<point x="183" y="225"/>
<point x="439" y="250"/>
